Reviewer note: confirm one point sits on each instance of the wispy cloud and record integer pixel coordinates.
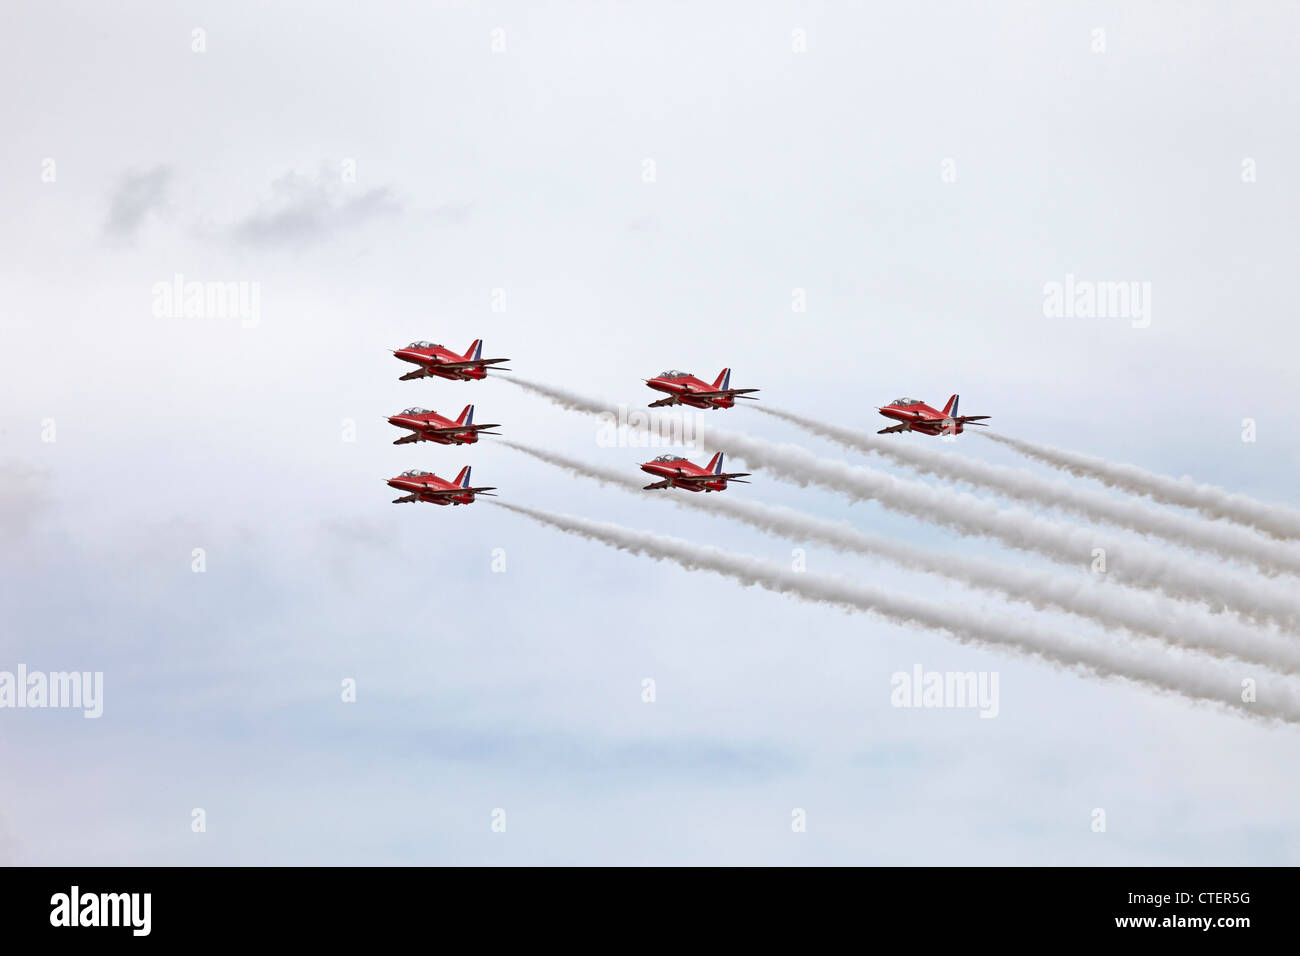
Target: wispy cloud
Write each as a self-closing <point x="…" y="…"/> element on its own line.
<point x="306" y="208"/>
<point x="138" y="194"/>
<point x="23" y="500"/>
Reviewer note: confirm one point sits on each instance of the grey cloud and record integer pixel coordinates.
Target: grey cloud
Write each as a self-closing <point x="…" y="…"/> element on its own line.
<point x="355" y="530"/>
<point x="452" y="213"/>
<point x="137" y="195"/>
<point x="23" y="500"/>
<point x="348" y="544"/>
<point x="558" y="752"/>
<point x="303" y="208"/>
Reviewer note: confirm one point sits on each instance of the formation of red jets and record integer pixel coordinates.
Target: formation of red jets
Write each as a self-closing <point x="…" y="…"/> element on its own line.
<point x="672" y="471"/>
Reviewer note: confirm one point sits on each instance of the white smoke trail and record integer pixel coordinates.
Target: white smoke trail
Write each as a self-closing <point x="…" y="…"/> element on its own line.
<point x="1130" y="561"/>
<point x="561" y="396"/>
<point x="1145" y="614"/>
<point x="1162" y="672"/>
<point x="1277" y="521"/>
<point x="1226" y="540"/>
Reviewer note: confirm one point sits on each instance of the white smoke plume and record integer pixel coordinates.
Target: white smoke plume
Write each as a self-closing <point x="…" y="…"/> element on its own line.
<point x="1145" y="614"/>
<point x="1129" y="561"/>
<point x="1160" y="671"/>
<point x="1277" y="521"/>
<point x="1226" y="540"/>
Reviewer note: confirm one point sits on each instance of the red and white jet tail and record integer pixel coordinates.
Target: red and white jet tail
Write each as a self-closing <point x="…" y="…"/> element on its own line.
<point x="950" y="410"/>
<point x="462" y="481"/>
<point x="714" y="467"/>
<point x="465" y="423"/>
<point x="722" y="388"/>
<point x="474" y="357"/>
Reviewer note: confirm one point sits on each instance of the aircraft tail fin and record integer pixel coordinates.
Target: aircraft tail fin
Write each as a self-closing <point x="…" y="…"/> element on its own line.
<point x="723" y="381"/>
<point x="475" y="350"/>
<point x="466" y="416"/>
<point x="950" y="409"/>
<point x="463" y="478"/>
<point x="715" y="465"/>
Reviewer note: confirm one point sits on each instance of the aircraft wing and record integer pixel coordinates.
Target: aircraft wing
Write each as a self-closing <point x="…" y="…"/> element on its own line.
<point x="658" y="484"/>
<point x="444" y="492"/>
<point x="421" y="372"/>
<point x="414" y="436"/>
<point x="404" y="499"/>
<point x="670" y="400"/>
<point x="900" y="427"/>
<point x="726" y="393"/>
<point x="458" y="429"/>
<point x="971" y="418"/>
<point x="735" y="476"/>
<point x="470" y="363"/>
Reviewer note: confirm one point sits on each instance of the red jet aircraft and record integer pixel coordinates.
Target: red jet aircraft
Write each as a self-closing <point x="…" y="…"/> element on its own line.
<point x="426" y="486"/>
<point x="677" y="472"/>
<point x="913" y="415"/>
<point x="427" y="425"/>
<point x="683" y="388"/>
<point x="433" y="359"/>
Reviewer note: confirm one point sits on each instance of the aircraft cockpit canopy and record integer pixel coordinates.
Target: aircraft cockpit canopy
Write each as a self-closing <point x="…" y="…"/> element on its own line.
<point x="424" y="345"/>
<point x="906" y="401"/>
<point x="670" y="458"/>
<point x="673" y="373"/>
<point x="413" y="473"/>
<point x="415" y="411"/>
